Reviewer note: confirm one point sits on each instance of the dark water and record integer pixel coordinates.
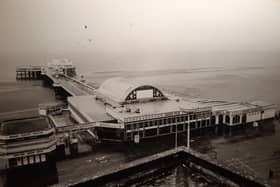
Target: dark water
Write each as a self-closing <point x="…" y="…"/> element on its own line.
<point x="258" y="149"/>
<point x="20" y="95"/>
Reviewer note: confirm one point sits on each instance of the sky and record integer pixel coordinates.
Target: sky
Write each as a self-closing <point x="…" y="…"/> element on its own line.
<point x="140" y="33"/>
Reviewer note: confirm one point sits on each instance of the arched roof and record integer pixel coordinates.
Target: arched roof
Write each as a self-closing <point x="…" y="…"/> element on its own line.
<point x="118" y="88"/>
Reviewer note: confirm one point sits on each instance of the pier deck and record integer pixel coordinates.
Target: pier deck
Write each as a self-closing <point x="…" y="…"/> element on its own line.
<point x="72" y="85"/>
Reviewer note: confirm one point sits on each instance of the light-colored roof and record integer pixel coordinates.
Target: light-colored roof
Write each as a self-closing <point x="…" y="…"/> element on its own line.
<point x="260" y="103"/>
<point x="118" y="88"/>
<point x="20" y="126"/>
<point x="233" y="107"/>
<point x="90" y="108"/>
<point x="158" y="107"/>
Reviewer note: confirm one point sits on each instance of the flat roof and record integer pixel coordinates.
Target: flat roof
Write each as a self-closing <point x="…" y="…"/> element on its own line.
<point x="21" y="126"/>
<point x="95" y="110"/>
<point x="158" y="107"/>
<point x="261" y="103"/>
<point x="90" y="108"/>
<point x="232" y="107"/>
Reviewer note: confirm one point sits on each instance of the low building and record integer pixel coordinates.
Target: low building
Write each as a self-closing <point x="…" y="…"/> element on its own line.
<point x="63" y="66"/>
<point x="124" y="110"/>
<point x="232" y="114"/>
<point x="26" y="141"/>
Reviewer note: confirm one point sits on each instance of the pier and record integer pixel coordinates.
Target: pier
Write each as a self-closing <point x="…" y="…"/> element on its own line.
<point x="119" y="110"/>
<point x="122" y="110"/>
<point x="28" y="72"/>
<point x="61" y="75"/>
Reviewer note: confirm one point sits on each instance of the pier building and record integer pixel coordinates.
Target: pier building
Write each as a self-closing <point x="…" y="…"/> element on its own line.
<point x="28" y="72"/>
<point x="63" y="66"/>
<point x="124" y="110"/>
<point x="26" y="141"/>
<point x="129" y="111"/>
<point x="118" y="110"/>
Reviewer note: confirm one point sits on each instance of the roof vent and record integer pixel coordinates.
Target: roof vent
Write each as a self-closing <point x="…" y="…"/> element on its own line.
<point x="127" y="109"/>
<point x="177" y="100"/>
<point x="137" y="110"/>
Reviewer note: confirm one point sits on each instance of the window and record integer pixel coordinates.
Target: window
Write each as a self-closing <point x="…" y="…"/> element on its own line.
<point x="203" y="123"/>
<point x="227" y="119"/>
<point x="128" y="135"/>
<point x="151" y="132"/>
<point x="178" y="119"/>
<point x="164" y="130"/>
<point x="128" y="127"/>
<point x="198" y="124"/>
<point x="134" y="125"/>
<point x="192" y="125"/>
<point x="169" y="120"/>
<point x="173" y="128"/>
<point x="146" y="124"/>
<point x="180" y="127"/>
<point x="236" y="119"/>
<point x="140" y="94"/>
<point x="191" y="117"/>
<point x="213" y="120"/>
<point x="182" y="118"/>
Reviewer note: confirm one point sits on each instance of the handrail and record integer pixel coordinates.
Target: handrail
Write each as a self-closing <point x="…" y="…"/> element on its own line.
<point x="25" y="135"/>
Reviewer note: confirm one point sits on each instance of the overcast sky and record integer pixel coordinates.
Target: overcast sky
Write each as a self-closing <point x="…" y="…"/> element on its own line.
<point x="151" y="28"/>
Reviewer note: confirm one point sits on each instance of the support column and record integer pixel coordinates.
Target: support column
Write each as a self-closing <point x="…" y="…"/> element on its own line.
<point x="230" y="119"/>
<point x="216" y="119"/>
<point x="188" y="135"/>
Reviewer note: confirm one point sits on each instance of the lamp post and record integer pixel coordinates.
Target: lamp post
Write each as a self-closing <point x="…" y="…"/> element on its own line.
<point x="176" y="137"/>
<point x="188" y="133"/>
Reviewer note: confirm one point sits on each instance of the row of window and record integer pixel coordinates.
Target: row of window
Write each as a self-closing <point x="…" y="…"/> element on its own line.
<point x="235" y="119"/>
<point x="253" y="113"/>
<point x="168" y="129"/>
<point x="159" y="122"/>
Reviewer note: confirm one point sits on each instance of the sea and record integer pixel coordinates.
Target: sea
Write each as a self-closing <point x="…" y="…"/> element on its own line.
<point x="258" y="150"/>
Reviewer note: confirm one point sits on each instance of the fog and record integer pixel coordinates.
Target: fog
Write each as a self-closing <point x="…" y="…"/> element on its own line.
<point x="140" y="34"/>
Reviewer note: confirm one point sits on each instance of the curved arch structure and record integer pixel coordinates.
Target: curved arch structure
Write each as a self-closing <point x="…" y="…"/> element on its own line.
<point x="123" y="90"/>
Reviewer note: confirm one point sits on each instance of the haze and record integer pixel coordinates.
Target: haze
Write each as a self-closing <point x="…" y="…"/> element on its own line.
<point x="140" y="34"/>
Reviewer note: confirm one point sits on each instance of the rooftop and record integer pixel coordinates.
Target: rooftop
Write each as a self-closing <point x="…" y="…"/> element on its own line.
<point x="90" y="108"/>
<point x="158" y="107"/>
<point x="121" y="90"/>
<point x="231" y="107"/>
<point x="21" y="126"/>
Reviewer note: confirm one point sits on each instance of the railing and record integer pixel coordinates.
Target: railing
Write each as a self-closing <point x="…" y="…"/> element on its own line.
<point x="29" y="68"/>
<point x="25" y="135"/>
<point x="86" y="126"/>
<point x="75" y="128"/>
